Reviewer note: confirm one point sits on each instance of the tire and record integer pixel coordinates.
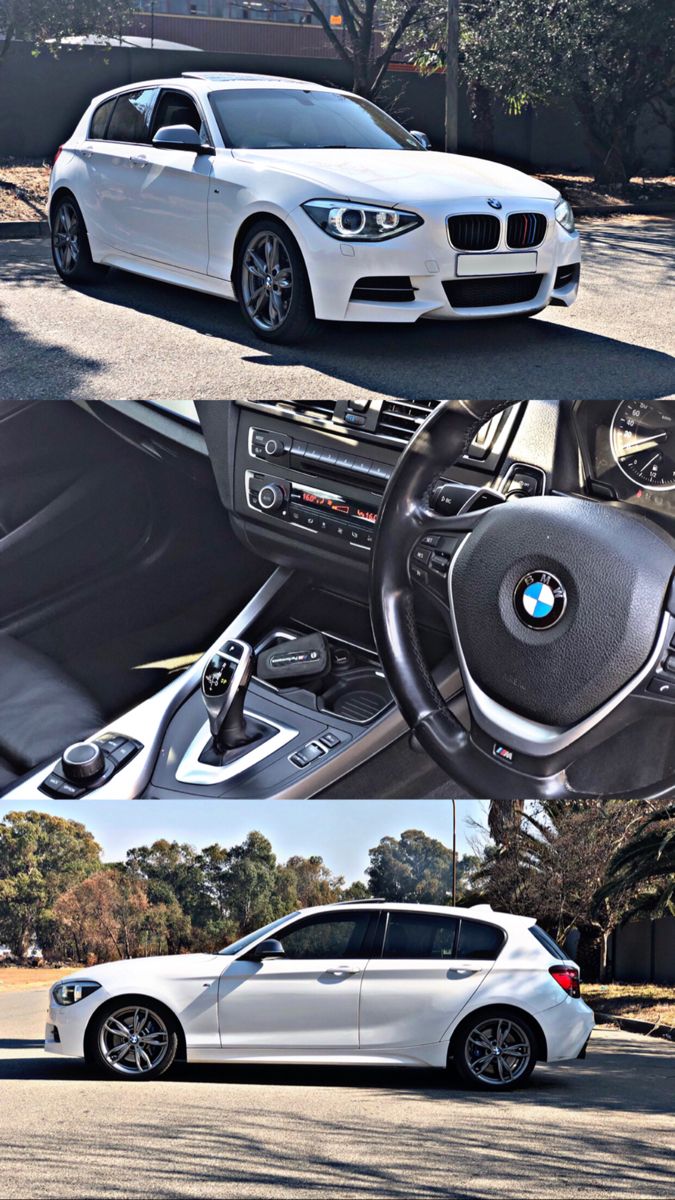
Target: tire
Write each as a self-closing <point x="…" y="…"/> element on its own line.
<point x="475" y="1043"/>
<point x="116" y="1054"/>
<point x="71" y="253"/>
<point x="280" y="311"/>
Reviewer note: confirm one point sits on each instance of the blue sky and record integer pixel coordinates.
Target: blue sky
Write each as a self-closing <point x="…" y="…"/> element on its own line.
<point x="341" y="831"/>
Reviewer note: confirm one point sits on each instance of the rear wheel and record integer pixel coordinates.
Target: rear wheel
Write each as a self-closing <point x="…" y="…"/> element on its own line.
<point x="495" y="1051"/>
<point x="70" y="245"/>
<point x="132" y="1040"/>
<point x="272" y="284"/>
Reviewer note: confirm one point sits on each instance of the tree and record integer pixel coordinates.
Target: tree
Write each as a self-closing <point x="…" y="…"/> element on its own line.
<point x="104" y="917"/>
<point x="50" y="21"/>
<point x="175" y="872"/>
<point x="648" y="858"/>
<point x="311" y="881"/>
<point x="413" y="867"/>
<point x="40" y="857"/>
<point x="373" y="31"/>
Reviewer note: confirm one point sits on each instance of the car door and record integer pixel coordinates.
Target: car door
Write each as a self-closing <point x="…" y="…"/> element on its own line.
<point x="428" y="971"/>
<point x="112" y="156"/>
<point x="168" y="205"/>
<point x="309" y="999"/>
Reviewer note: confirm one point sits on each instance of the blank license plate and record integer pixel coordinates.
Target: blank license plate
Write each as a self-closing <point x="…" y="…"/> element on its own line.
<point x="497" y="264"/>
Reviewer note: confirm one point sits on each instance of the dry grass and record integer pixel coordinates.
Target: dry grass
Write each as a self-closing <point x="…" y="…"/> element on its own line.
<point x="30" y="979"/>
<point x="23" y="190"/>
<point x="643" y="1001"/>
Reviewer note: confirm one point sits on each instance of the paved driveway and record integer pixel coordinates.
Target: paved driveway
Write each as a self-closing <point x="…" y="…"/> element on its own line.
<point x="600" y="1128"/>
<point x="136" y="340"/>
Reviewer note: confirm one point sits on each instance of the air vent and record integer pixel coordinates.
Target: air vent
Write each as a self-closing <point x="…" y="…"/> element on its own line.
<point x="315" y="410"/>
<point x="400" y="419"/>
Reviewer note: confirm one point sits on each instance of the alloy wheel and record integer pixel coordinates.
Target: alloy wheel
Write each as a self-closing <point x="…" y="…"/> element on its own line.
<point x="267" y="280"/>
<point x="67" y="238"/>
<point x="498" y="1051"/>
<point x="133" y="1040"/>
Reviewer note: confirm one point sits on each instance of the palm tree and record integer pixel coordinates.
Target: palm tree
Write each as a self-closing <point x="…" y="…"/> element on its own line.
<point x="649" y="857"/>
<point x="504" y="817"/>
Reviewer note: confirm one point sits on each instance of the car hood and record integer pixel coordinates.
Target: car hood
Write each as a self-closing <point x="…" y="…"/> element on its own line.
<point x="399" y="177"/>
<point x="170" y="965"/>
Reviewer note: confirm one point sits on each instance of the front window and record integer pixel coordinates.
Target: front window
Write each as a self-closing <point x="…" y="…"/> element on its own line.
<point x="257" y="935"/>
<point x="331" y="935"/>
<point x="293" y="119"/>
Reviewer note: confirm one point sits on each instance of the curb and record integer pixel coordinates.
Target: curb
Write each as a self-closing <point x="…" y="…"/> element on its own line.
<point x="23" y="229"/>
<point x="656" y="208"/>
<point x="633" y="1025"/>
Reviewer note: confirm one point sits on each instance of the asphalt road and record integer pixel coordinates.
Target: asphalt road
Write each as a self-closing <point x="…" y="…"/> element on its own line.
<point x="132" y="339"/>
<point x="600" y="1128"/>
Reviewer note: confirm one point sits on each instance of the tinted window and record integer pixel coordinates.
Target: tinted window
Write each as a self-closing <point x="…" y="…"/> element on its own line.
<point x="130" y="121"/>
<point x="99" y="120"/>
<point x="420" y="935"/>
<point x="257" y="934"/>
<point x="281" y="119"/>
<point x="337" y="935"/>
<point x="547" y="942"/>
<point x="176" y="108"/>
<point x="477" y="940"/>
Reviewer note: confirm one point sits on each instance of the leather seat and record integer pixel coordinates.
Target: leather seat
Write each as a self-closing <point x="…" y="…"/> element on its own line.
<point x="41" y="710"/>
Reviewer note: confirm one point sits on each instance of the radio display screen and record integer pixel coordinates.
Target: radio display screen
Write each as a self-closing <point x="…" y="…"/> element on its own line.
<point x="338" y="506"/>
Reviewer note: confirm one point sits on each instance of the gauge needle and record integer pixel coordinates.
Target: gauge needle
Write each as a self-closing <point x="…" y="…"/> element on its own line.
<point x="648" y="465"/>
<point x="645" y="444"/>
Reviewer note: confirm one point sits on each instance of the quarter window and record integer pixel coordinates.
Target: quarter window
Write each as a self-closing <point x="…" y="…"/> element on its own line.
<point x="99" y="121"/>
<point x="130" y="121"/>
<point x="420" y="935"/>
<point x="337" y="935"/>
<point x="478" y="940"/>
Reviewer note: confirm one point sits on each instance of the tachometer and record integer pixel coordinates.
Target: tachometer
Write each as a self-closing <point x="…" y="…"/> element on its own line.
<point x="643" y="442"/>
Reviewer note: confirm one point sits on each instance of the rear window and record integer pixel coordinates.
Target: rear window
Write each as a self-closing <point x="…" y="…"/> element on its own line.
<point x="547" y="942"/>
<point x="478" y="940"/>
<point x="420" y="935"/>
<point x="99" y="121"/>
<point x="130" y="121"/>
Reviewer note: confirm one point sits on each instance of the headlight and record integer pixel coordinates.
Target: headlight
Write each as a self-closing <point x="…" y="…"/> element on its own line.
<point x="70" y="993"/>
<point x="564" y="215"/>
<point x="360" y="222"/>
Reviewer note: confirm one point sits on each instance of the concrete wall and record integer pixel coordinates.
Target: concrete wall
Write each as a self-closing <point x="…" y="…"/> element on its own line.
<point x="42" y="98"/>
<point x="644" y="952"/>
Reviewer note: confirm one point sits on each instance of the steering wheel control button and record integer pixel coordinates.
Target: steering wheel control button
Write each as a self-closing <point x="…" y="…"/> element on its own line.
<point x="83" y="762"/>
<point x="540" y="600"/>
<point x="660" y="686"/>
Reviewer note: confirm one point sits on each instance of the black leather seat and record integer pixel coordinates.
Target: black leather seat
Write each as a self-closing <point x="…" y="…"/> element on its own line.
<point x="41" y="710"/>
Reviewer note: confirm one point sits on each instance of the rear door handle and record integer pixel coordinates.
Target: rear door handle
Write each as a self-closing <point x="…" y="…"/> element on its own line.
<point x="342" y="972"/>
<point x="139" y="160"/>
<point x="87" y="151"/>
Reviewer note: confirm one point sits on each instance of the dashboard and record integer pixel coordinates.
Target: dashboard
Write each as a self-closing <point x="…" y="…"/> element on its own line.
<point x="628" y="452"/>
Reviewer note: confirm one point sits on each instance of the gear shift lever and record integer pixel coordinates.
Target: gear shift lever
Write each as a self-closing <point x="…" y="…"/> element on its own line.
<point x="224" y="682"/>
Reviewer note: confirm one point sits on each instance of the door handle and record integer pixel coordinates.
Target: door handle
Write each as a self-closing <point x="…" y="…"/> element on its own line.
<point x="139" y="160"/>
<point x="342" y="972"/>
<point x="87" y="151"/>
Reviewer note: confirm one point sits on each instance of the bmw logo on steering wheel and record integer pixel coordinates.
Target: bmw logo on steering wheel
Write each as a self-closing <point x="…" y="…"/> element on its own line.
<point x="539" y="600"/>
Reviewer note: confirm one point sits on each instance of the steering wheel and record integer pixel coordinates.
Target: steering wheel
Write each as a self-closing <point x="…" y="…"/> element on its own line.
<point x="561" y="609"/>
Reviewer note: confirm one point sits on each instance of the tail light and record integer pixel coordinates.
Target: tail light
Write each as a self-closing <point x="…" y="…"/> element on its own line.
<point x="569" y="980"/>
<point x="56" y="156"/>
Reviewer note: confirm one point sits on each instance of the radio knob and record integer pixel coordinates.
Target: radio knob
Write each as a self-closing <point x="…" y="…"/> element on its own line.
<point x="271" y="497"/>
<point x="274" y="448"/>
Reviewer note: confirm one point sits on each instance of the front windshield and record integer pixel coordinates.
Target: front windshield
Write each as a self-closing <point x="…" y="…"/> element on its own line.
<point x="293" y="119"/>
<point x="257" y="933"/>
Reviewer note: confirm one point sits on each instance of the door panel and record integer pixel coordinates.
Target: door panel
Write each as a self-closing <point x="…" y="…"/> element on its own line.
<point x="167" y="208"/>
<point x="412" y="1002"/>
<point x="301" y="1004"/>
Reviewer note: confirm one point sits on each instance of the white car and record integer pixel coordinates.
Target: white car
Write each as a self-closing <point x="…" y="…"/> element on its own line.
<point x="303" y="203"/>
<point x="353" y="983"/>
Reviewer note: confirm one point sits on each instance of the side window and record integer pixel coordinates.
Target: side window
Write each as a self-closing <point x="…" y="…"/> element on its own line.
<point x="481" y="941"/>
<point x="177" y="108"/>
<point x="420" y="935"/>
<point x="99" y="121"/>
<point x="130" y="121"/>
<point x="336" y="935"/>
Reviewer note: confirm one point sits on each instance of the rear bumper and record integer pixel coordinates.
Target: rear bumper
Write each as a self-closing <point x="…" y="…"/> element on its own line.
<point x="567" y="1028"/>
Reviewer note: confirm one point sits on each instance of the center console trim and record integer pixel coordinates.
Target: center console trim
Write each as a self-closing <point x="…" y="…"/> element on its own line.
<point x="191" y="770"/>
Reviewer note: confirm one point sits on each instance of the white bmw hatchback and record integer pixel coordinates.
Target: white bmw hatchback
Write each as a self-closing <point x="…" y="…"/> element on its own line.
<point x="351" y="984"/>
<point x="303" y="203"/>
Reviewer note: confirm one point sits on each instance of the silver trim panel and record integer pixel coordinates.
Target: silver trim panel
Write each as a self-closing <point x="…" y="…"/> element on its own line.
<point x="191" y="770"/>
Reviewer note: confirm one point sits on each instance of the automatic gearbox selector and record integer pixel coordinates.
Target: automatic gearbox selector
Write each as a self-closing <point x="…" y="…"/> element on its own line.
<point x="82" y="762"/>
<point x="224" y="684"/>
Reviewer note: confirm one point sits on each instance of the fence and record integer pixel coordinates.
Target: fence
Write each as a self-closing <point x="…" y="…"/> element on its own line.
<point x="644" y="952"/>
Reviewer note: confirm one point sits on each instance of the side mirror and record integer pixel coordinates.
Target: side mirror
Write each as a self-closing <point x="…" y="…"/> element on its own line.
<point x="180" y="137"/>
<point x="270" y="948"/>
<point x="422" y="138"/>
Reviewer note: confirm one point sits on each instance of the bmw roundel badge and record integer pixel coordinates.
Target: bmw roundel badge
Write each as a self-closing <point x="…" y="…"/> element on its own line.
<point x="539" y="600"/>
<point x="494" y="203"/>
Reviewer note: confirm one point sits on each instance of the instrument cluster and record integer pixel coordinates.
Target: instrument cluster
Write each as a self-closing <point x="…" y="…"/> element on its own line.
<point x="628" y="452"/>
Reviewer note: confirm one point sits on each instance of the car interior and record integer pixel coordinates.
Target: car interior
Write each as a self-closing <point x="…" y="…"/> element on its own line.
<point x="219" y="599"/>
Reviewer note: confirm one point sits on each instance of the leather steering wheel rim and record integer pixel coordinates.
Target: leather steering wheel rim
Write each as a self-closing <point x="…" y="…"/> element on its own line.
<point x="405" y="515"/>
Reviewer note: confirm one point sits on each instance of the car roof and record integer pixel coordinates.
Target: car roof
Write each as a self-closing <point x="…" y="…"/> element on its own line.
<point x="483" y="912"/>
<point x="209" y="81"/>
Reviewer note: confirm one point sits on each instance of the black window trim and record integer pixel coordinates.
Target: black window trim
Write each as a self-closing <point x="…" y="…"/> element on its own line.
<point x="383" y="929"/>
<point x="314" y="918"/>
<point x="118" y="96"/>
<point x="197" y="103"/>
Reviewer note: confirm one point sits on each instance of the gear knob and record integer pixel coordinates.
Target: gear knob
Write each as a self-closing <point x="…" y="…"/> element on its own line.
<point x="224" y="682"/>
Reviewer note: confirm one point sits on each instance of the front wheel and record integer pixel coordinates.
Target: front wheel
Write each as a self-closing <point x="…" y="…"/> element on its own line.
<point x="132" y="1040"/>
<point x="495" y="1051"/>
<point x="272" y="284"/>
<point x="70" y="245"/>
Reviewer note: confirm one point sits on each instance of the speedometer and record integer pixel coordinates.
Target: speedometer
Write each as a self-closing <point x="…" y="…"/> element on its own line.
<point x="643" y="442"/>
